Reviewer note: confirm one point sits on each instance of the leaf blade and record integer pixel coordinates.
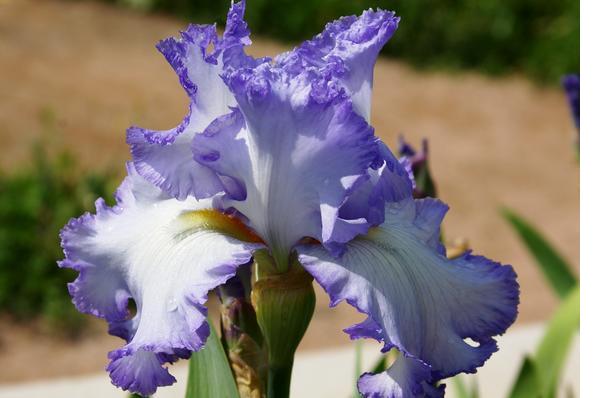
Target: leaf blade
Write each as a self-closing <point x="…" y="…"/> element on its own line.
<point x="460" y="388"/>
<point x="209" y="373"/>
<point x="358" y="353"/>
<point x="527" y="384"/>
<point x="462" y="391"/>
<point x="554" y="347"/>
<point x="555" y="268"/>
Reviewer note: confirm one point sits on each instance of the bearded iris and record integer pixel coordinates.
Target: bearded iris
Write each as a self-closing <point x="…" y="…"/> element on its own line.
<point x="277" y="156"/>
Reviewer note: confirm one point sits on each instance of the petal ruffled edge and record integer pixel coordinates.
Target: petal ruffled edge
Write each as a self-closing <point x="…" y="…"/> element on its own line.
<point x="198" y="57"/>
<point x="201" y="38"/>
<point x="492" y="288"/>
<point x="406" y="378"/>
<point x="388" y="180"/>
<point x="347" y="48"/>
<point x="95" y="248"/>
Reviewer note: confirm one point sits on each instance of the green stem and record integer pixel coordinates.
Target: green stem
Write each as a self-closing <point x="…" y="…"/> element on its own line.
<point x="279" y="380"/>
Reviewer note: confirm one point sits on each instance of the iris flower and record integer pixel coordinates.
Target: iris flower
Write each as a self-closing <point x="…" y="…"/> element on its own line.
<point x="278" y="155"/>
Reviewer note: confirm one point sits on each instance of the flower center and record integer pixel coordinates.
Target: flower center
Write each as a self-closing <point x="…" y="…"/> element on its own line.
<point x="214" y="220"/>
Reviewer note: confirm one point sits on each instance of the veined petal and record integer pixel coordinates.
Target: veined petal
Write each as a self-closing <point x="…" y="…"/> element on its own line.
<point x="416" y="299"/>
<point x="164" y="157"/>
<point x="406" y="378"/>
<point x="164" y="254"/>
<point x="388" y="180"/>
<point x="347" y="48"/>
<point x="297" y="147"/>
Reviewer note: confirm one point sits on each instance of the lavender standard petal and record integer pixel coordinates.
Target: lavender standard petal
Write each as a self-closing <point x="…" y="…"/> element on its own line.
<point x="297" y="147"/>
<point x="348" y="49"/>
<point x="198" y="57"/>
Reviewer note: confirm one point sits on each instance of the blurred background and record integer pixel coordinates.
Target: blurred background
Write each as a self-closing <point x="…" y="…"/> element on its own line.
<point x="480" y="79"/>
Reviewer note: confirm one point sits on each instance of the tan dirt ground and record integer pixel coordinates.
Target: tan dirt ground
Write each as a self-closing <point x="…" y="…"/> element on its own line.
<point x="494" y="142"/>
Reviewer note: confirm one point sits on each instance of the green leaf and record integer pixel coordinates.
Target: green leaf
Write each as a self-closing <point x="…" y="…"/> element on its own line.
<point x="556" y="270"/>
<point x="475" y="389"/>
<point x="358" y="349"/>
<point x="461" y="388"/>
<point x="209" y="373"/>
<point x="539" y="375"/>
<point x="527" y="384"/>
<point x="381" y="365"/>
<point x="552" y="351"/>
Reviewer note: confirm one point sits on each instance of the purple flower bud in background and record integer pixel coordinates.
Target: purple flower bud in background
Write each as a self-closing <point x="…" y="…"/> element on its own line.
<point x="571" y="86"/>
<point x="240" y="333"/>
<point x="419" y="162"/>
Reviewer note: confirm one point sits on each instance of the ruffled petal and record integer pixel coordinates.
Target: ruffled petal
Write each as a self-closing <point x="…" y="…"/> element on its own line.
<point x="297" y="147"/>
<point x="347" y="48"/>
<point x="138" y="371"/>
<point x="164" y="157"/>
<point x="406" y="378"/>
<point x="165" y="255"/>
<point x="390" y="180"/>
<point x="415" y="298"/>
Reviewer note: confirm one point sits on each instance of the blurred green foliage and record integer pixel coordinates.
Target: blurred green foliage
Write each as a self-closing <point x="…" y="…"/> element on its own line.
<point x="537" y="37"/>
<point x="35" y="203"/>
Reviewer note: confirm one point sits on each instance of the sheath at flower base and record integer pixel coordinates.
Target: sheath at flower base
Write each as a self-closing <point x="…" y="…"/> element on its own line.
<point x="272" y="153"/>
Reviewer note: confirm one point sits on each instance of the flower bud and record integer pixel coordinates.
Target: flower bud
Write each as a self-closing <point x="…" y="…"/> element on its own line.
<point x="284" y="304"/>
<point x="241" y="335"/>
<point x="419" y="161"/>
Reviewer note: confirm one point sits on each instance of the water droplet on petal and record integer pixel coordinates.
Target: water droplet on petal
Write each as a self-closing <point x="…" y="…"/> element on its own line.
<point x="172" y="304"/>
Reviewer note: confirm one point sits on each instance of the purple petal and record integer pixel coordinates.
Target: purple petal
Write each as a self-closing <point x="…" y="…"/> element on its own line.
<point x="158" y="252"/>
<point x="164" y="157"/>
<point x="415" y="298"/>
<point x="571" y="86"/>
<point x="406" y="378"/>
<point x="347" y="48"/>
<point x="391" y="181"/>
<point x="237" y="33"/>
<point x="297" y="147"/>
<point x="140" y="371"/>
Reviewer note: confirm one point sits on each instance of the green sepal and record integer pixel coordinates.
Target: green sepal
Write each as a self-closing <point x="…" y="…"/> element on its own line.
<point x="284" y="303"/>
